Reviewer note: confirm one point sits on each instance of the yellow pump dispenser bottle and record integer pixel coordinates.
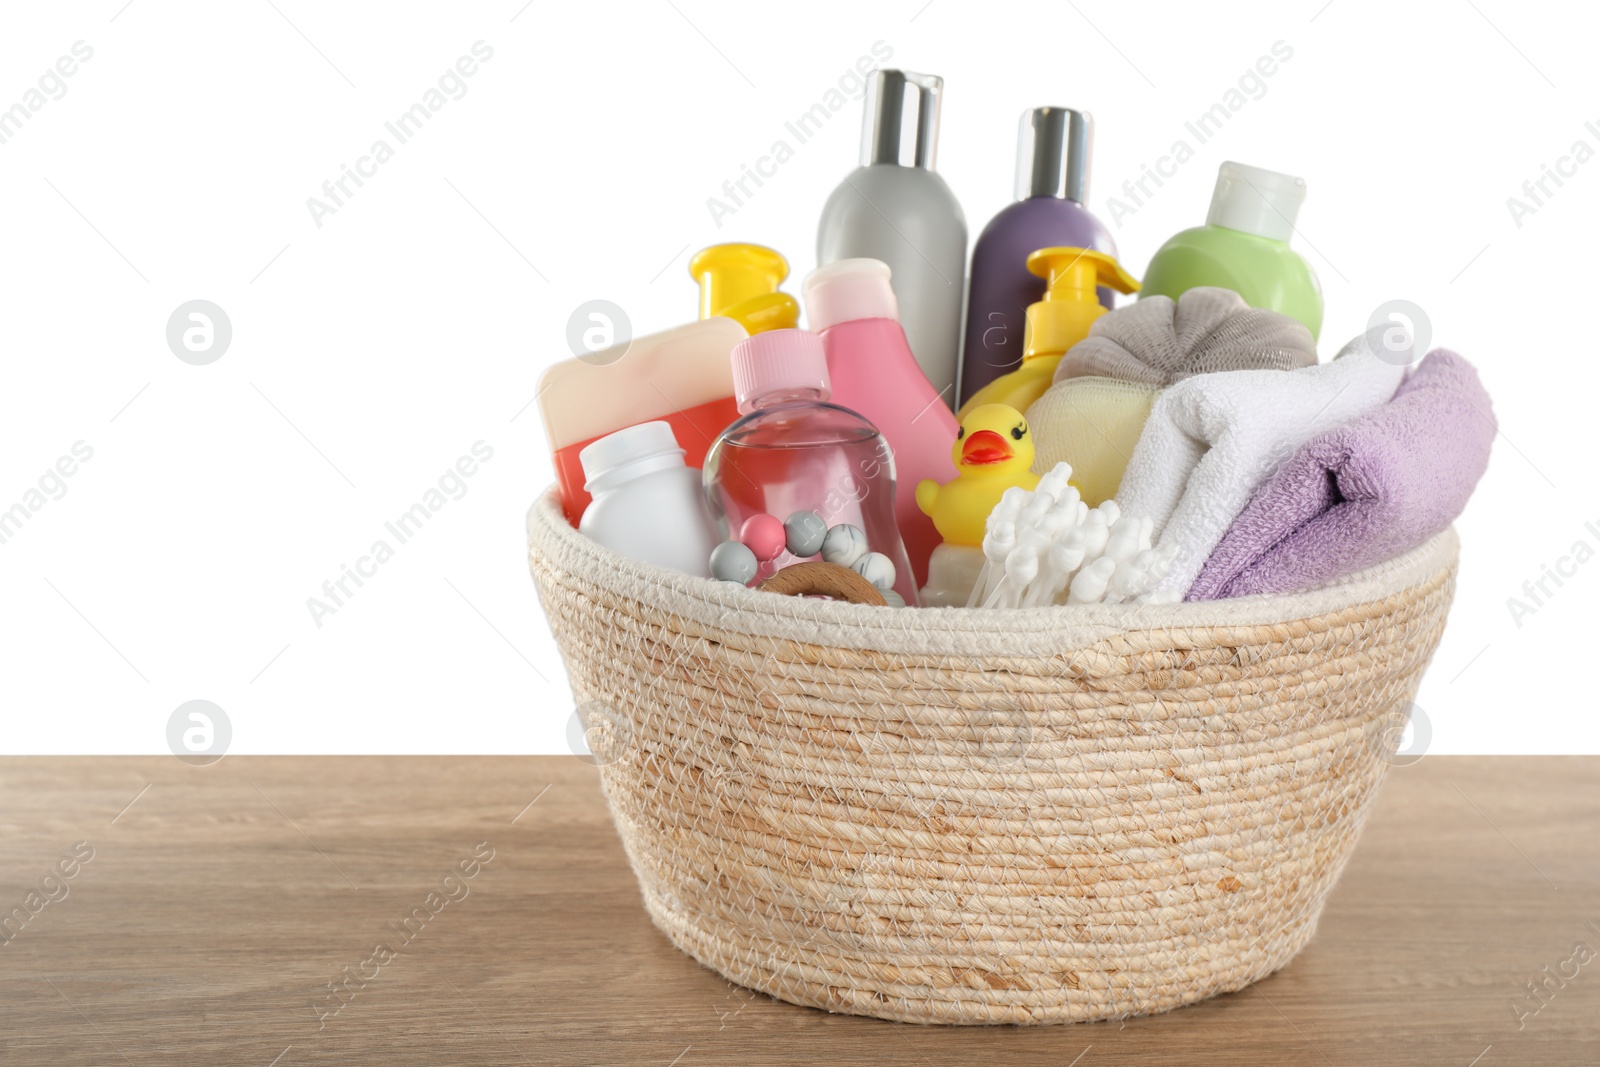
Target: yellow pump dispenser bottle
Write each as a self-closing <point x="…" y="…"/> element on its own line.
<point x="1056" y="323"/>
<point x="740" y="282"/>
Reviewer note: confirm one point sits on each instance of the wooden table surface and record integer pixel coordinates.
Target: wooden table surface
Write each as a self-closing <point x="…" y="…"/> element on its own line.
<point x="209" y="911"/>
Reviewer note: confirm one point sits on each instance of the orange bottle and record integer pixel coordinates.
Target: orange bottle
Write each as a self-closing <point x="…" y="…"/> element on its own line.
<point x="682" y="376"/>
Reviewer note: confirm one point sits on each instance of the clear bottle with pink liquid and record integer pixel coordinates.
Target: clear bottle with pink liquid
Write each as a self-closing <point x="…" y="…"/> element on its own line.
<point x="792" y="451"/>
<point x="852" y="306"/>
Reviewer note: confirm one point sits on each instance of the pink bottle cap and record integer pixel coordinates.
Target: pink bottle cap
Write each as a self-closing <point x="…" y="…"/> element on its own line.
<point x="779" y="361"/>
<point x="847" y="290"/>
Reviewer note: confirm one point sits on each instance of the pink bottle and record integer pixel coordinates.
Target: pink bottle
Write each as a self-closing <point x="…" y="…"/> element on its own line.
<point x="851" y="304"/>
<point x="793" y="451"/>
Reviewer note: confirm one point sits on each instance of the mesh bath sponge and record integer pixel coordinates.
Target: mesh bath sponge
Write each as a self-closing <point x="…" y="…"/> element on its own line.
<point x="1093" y="413"/>
<point x="1159" y="340"/>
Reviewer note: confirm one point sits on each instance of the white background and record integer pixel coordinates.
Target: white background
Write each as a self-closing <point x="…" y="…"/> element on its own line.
<point x="372" y="352"/>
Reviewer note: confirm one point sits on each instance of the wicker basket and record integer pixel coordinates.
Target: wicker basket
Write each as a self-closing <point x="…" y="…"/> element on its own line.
<point x="970" y="816"/>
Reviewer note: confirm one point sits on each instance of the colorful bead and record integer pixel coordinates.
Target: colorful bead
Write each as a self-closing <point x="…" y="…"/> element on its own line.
<point x="733" y="562"/>
<point x="763" y="535"/>
<point x="876" y="568"/>
<point x="844" y="544"/>
<point x="804" y="532"/>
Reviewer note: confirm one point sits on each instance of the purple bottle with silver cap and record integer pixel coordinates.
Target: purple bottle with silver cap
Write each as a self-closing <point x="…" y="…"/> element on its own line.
<point x="1053" y="153"/>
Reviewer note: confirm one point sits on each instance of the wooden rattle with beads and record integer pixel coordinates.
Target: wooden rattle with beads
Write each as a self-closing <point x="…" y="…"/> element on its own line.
<point x="817" y="578"/>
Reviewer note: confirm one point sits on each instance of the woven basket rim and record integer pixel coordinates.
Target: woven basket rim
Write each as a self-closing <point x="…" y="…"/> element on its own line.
<point x="994" y="631"/>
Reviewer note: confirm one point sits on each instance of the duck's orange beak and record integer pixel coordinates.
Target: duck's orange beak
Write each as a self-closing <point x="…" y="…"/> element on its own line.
<point x="984" y="447"/>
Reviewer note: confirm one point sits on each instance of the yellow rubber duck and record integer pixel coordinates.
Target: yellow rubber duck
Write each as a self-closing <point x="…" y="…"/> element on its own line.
<point x="992" y="452"/>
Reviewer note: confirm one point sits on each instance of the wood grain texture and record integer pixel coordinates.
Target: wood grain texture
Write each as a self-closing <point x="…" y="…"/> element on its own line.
<point x="220" y="903"/>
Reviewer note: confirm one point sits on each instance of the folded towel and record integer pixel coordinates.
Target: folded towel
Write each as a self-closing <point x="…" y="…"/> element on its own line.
<point x="1212" y="440"/>
<point x="1359" y="494"/>
<point x="1092" y="414"/>
<point x="1159" y="341"/>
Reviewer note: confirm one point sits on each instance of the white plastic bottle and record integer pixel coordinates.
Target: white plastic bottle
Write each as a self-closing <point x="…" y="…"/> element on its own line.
<point x="647" y="504"/>
<point x="896" y="208"/>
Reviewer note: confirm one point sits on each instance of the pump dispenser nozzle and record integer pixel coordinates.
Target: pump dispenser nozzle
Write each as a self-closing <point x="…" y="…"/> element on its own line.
<point x="1056" y="323"/>
<point x="1070" y="304"/>
<point x="740" y="282"/>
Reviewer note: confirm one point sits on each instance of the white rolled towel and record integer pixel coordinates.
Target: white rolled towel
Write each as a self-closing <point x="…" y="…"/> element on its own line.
<point x="1212" y="440"/>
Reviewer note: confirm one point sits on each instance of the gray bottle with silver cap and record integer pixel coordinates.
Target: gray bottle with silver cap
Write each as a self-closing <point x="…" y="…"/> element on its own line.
<point x="1053" y="153"/>
<point x="895" y="208"/>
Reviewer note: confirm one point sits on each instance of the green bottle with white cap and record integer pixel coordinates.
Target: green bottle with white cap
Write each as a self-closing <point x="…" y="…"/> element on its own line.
<point x="1244" y="246"/>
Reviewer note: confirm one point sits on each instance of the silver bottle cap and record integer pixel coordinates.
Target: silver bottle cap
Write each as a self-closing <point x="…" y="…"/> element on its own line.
<point x="1053" y="153"/>
<point x="902" y="121"/>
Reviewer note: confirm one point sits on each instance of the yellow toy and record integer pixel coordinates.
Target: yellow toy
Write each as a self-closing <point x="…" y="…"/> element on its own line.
<point x="992" y="452"/>
<point x="1056" y="323"/>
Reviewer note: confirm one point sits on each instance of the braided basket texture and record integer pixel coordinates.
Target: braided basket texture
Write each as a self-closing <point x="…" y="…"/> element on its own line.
<point x="968" y="816"/>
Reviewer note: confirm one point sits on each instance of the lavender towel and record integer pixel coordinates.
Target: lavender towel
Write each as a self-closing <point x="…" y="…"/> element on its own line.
<point x="1379" y="485"/>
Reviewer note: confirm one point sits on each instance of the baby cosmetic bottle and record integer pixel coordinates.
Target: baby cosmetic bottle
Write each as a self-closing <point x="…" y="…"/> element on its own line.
<point x="870" y="365"/>
<point x="679" y="375"/>
<point x="1056" y="322"/>
<point x="793" y="451"/>
<point x="896" y="208"/>
<point x="647" y="505"/>
<point x="1244" y="246"/>
<point x="740" y="282"/>
<point x="1053" y="153"/>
